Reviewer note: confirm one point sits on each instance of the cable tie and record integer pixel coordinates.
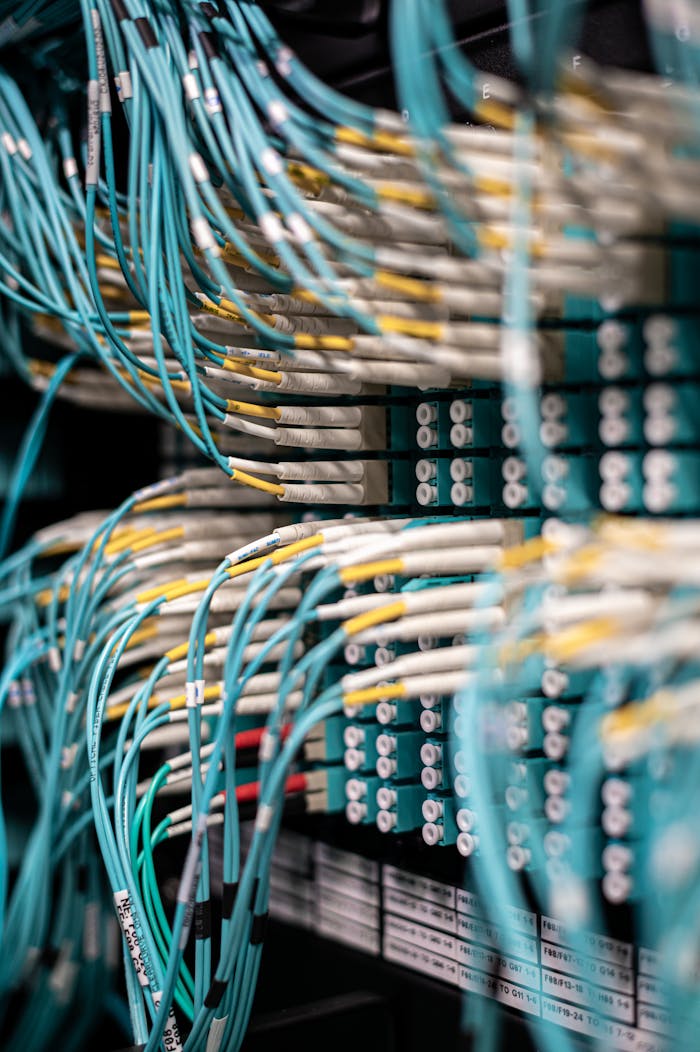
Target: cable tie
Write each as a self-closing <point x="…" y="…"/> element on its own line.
<point x="215" y="993"/>
<point x="259" y="927"/>
<point x="120" y="11"/>
<point x="146" y="33"/>
<point x="228" y="898"/>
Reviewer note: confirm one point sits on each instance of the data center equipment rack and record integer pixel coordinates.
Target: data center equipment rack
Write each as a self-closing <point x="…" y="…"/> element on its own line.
<point x="375" y="925"/>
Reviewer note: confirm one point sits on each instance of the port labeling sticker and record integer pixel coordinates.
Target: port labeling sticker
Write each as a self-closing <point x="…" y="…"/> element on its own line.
<point x="290" y="909"/>
<point x="521" y="920"/>
<point x="481" y="931"/>
<point x="507" y="993"/>
<point x="425" y="912"/>
<point x="601" y="946"/>
<point x="437" y="941"/>
<point x="609" y="975"/>
<point x="586" y="1022"/>
<point x="494" y="963"/>
<point x="650" y="990"/>
<point x="609" y="1002"/>
<point x="345" y="884"/>
<point x="348" y="932"/>
<point x="286" y="880"/>
<point x="347" y="861"/>
<point x="647" y="1042"/>
<point x="649" y="962"/>
<point x="653" y="1018"/>
<point x="422" y="887"/>
<point x="420" y="960"/>
<point x="353" y="909"/>
<point x="467" y="902"/>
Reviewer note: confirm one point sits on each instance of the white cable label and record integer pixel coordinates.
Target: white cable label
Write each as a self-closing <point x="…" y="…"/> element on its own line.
<point x="92" y="169"/>
<point x="171" y="1034"/>
<point x="277" y="112"/>
<point x="271" y="227"/>
<point x="203" y="235"/>
<point x="189" y="83"/>
<point x="299" y="228"/>
<point x="198" y="168"/>
<point x="125" y="917"/>
<point x="70" y="167"/>
<point x="124" y="86"/>
<point x="9" y="143"/>
<point x="105" y="101"/>
<point x="283" y="62"/>
<point x="212" y="101"/>
<point x="263" y="818"/>
<point x="267" y="747"/>
<point x="216" y="1034"/>
<point x="271" y="161"/>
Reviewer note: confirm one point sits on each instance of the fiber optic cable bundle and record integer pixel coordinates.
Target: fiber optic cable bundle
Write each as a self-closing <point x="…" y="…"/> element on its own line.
<point x="113" y="659"/>
<point x="577" y="745"/>
<point x="251" y="212"/>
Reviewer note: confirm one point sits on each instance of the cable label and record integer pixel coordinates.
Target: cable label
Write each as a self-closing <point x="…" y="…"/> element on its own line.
<point x="212" y="101"/>
<point x="105" y="101"/>
<point x="189" y="83"/>
<point x="171" y="1034"/>
<point x="125" y="916"/>
<point x="216" y="1033"/>
<point x="124" y="86"/>
<point x="92" y="168"/>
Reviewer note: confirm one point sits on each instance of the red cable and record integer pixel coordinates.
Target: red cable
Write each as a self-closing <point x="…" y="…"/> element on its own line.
<point x="249" y="793"/>
<point x="251" y="739"/>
